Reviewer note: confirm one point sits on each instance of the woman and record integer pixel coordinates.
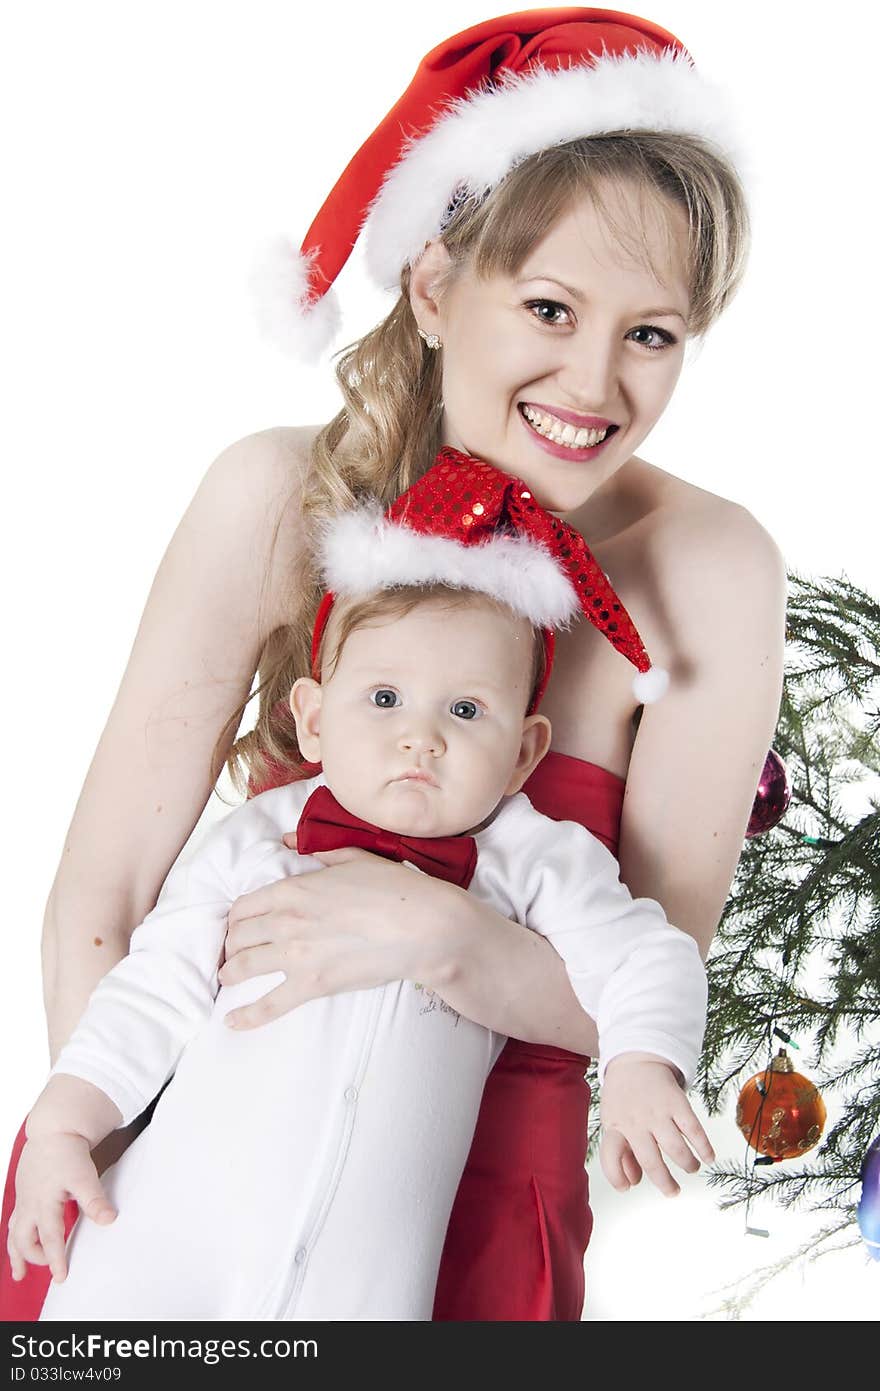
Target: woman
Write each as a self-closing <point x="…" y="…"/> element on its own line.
<point x="568" y="290"/>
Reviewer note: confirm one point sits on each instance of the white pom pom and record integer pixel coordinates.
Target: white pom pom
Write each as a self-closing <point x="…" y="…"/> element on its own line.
<point x="279" y="286"/>
<point x="650" y="685"/>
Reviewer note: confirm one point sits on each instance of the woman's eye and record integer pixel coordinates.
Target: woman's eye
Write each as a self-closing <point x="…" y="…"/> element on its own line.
<point x="649" y="331"/>
<point x="537" y="305"/>
<point x="385" y="698"/>
<point x="466" y="710"/>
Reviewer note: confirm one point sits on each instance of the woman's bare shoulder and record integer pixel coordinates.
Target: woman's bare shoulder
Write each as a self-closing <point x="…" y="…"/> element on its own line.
<point x="713" y="581"/>
<point x="692" y="531"/>
<point x="256" y="485"/>
<point x="697" y="569"/>
<point x="271" y="463"/>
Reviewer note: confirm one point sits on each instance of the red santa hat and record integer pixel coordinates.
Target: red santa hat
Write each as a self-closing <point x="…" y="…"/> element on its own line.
<point x="468" y="525"/>
<point x="479" y="103"/>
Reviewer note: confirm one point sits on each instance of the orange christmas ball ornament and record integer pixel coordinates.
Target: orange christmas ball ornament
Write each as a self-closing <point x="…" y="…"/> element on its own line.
<point x="780" y="1112"/>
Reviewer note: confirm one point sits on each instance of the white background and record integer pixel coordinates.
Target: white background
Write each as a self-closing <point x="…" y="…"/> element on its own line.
<point x="149" y="150"/>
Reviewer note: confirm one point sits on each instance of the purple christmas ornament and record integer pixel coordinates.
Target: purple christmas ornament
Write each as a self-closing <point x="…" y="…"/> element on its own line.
<point x="772" y="798"/>
<point x="869" y="1203"/>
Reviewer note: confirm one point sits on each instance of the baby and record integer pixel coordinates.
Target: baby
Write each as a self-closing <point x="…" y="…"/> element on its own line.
<point x="343" y="1127"/>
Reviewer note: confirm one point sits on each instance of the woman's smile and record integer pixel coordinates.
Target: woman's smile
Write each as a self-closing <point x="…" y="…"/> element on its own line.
<point x="561" y="438"/>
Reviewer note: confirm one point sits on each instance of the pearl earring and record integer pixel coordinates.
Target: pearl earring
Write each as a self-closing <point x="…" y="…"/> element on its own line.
<point x="430" y="338"/>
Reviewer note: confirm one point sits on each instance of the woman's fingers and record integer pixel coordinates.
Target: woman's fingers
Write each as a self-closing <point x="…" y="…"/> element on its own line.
<point x="250" y="961"/>
<point x="316" y="970"/>
<point x="272" y="913"/>
<point x="266" y="899"/>
<point x="262" y="1011"/>
<point x="269" y="929"/>
<point x="346" y="854"/>
<point x="327" y="857"/>
<point x="293" y="955"/>
<point x="360" y="921"/>
<point x="309" y="982"/>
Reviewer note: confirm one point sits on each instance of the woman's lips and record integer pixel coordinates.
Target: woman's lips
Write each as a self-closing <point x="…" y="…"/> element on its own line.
<point x="565" y="451"/>
<point x="580" y="422"/>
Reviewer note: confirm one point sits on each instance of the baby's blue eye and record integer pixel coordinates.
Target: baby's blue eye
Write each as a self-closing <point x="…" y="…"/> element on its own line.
<point x="385" y="698"/>
<point x="466" y="709"/>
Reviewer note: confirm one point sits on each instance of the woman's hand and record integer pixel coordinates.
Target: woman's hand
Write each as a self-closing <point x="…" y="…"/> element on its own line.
<point x="361" y="921"/>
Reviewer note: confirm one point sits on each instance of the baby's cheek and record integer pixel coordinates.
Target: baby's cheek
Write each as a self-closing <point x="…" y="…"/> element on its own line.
<point x="483" y="769"/>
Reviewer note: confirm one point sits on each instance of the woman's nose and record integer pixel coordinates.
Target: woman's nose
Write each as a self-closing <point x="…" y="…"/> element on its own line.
<point x="590" y="379"/>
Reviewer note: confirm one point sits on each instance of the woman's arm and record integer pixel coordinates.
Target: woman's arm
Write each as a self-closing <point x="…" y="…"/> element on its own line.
<point x="720" y="587"/>
<point x="509" y="979"/>
<point x="692" y="776"/>
<point x="365" y="921"/>
<point x="193" y="660"/>
<point x="699" y="752"/>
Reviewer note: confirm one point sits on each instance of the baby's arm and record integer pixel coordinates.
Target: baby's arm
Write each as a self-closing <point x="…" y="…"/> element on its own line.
<point x="144" y="1011"/>
<point x="641" y="979"/>
<point x="127" y="1044"/>
<point x="644" y="983"/>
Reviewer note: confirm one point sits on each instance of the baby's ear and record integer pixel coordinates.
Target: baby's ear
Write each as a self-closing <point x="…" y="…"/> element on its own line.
<point x="536" y="735"/>
<point x="305" y="705"/>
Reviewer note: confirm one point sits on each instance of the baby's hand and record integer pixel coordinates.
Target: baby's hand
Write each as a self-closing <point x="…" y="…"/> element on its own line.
<point x="644" y="1110"/>
<point x="52" y="1169"/>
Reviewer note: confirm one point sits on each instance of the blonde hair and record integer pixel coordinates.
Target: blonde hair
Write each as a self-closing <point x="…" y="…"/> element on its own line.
<point x="388" y="431"/>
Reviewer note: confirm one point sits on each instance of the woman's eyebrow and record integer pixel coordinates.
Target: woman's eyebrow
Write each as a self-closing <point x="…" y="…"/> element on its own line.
<point x="580" y="297"/>
<point x="569" y="289"/>
<point x="661" y="314"/>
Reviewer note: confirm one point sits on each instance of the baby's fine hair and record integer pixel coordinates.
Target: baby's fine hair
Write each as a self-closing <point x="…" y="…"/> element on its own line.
<point x="389" y="604"/>
<point x="388" y="431"/>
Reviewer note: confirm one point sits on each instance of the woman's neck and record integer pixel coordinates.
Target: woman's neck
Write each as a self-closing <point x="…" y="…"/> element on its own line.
<point x="622" y="500"/>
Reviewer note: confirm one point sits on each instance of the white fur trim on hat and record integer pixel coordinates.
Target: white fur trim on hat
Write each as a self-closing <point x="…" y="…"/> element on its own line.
<point x="361" y="552"/>
<point x="479" y="138"/>
<point x="282" y="298"/>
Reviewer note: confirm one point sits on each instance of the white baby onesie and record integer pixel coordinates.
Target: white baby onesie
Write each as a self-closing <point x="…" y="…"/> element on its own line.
<point x="306" y="1169"/>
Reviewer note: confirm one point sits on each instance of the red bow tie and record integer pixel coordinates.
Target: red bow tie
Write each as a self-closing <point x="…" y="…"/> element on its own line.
<point x="325" y="825"/>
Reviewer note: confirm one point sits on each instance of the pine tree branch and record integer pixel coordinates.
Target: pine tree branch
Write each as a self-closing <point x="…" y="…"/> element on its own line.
<point x="805" y="903"/>
<point x="818" y="1245"/>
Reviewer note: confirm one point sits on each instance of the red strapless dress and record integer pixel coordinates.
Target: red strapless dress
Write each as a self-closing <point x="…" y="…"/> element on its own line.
<point x="521" y="1220"/>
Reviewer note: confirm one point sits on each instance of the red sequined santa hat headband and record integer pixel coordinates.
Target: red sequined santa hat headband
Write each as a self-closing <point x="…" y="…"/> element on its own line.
<point x="468" y="525"/>
<point x="479" y="103"/>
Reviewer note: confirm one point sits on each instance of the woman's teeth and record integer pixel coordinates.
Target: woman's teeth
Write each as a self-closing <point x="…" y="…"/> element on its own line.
<point x="560" y="432"/>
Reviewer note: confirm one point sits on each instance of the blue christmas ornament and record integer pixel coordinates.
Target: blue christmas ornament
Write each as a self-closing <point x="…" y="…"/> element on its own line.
<point x="869" y="1203"/>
